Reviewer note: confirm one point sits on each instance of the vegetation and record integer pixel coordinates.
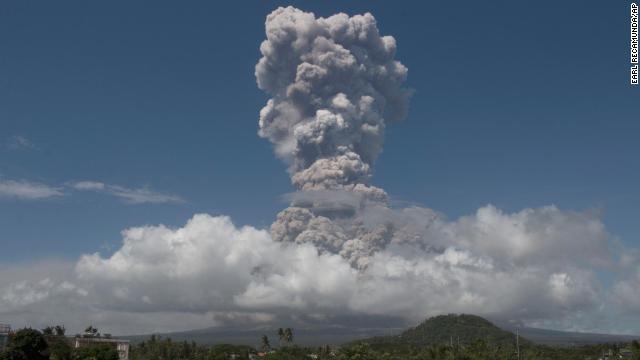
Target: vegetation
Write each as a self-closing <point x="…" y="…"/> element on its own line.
<point x="285" y="335"/>
<point x="158" y="348"/>
<point x="166" y="350"/>
<point x="456" y="329"/>
<point x="472" y="337"/>
<point x="482" y="351"/>
<point x="26" y="344"/>
<point x="95" y="353"/>
<point x="51" y="343"/>
<point x="449" y="337"/>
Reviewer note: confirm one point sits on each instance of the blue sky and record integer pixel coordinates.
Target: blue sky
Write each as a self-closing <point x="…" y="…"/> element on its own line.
<point x="515" y="104"/>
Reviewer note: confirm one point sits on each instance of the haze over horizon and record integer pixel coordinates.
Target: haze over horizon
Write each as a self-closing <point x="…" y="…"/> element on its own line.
<point x="145" y="124"/>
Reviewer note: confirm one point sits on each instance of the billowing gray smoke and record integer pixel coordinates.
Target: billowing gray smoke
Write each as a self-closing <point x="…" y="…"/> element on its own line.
<point x="335" y="85"/>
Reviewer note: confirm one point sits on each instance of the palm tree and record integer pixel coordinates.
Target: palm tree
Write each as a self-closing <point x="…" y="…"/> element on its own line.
<point x="280" y="336"/>
<point x="48" y="331"/>
<point x="288" y="335"/>
<point x="60" y="330"/>
<point x="265" y="343"/>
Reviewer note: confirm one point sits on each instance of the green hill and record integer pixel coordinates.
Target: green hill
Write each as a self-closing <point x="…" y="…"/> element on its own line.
<point x="445" y="329"/>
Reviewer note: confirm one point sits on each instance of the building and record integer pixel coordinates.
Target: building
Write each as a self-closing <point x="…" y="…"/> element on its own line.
<point x="626" y="353"/>
<point x="4" y="335"/>
<point x="122" y="346"/>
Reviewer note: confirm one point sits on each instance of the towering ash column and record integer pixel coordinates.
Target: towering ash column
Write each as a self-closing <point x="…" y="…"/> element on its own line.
<point x="335" y="85"/>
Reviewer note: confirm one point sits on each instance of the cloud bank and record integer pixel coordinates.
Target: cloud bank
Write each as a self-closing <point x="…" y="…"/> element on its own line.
<point x="211" y="265"/>
<point x="225" y="274"/>
<point x="339" y="250"/>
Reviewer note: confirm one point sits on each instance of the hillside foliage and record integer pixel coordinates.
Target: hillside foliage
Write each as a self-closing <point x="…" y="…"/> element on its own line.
<point x="452" y="330"/>
<point x="475" y="339"/>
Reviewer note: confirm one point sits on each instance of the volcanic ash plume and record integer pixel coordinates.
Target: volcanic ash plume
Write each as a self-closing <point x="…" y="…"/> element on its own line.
<point x="335" y="85"/>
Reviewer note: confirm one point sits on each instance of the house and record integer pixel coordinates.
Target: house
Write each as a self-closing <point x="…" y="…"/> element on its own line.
<point x="4" y="335"/>
<point x="626" y="353"/>
<point x="122" y="346"/>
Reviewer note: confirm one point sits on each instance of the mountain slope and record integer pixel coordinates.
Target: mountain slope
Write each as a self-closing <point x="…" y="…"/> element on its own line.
<point x="567" y="338"/>
<point x="301" y="336"/>
<point x="446" y="329"/>
<point x="437" y="330"/>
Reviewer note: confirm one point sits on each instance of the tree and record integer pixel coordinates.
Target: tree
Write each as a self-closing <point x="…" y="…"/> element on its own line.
<point x="59" y="348"/>
<point x="91" y="331"/>
<point x="103" y="352"/>
<point x="59" y="330"/>
<point x="265" y="345"/>
<point x="357" y="352"/>
<point x="635" y="349"/>
<point x="290" y="353"/>
<point x="27" y="344"/>
<point x="288" y="335"/>
<point x="280" y="336"/>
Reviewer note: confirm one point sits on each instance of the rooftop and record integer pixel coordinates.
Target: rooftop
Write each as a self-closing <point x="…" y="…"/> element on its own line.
<point x="100" y="339"/>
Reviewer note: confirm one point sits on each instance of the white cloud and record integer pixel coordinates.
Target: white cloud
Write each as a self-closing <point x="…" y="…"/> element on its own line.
<point x="27" y="190"/>
<point x="531" y="236"/>
<point x="88" y="185"/>
<point x="18" y="142"/>
<point x="133" y="196"/>
<point x="22" y="189"/>
<point x="208" y="265"/>
<point x="210" y="272"/>
<point x="626" y="291"/>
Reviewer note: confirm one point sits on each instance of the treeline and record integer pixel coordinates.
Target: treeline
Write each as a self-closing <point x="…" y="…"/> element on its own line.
<point x="480" y="350"/>
<point x="51" y="343"/>
<point x="157" y="348"/>
<point x="165" y="349"/>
